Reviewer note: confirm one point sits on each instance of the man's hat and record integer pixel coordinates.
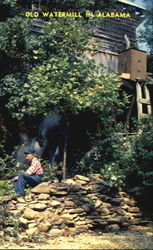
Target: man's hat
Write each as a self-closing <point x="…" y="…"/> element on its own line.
<point x="29" y="152"/>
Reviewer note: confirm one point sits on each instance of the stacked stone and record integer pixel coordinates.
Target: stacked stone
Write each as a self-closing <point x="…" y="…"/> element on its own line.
<point x="77" y="205"/>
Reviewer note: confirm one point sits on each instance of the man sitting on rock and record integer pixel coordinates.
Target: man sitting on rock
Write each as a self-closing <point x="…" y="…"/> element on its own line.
<point x="33" y="175"/>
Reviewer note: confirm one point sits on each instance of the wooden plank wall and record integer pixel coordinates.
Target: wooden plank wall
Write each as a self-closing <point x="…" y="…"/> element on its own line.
<point x="112" y="41"/>
<point x="109" y="60"/>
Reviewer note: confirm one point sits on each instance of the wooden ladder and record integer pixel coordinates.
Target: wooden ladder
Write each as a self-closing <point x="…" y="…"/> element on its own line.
<point x="143" y="101"/>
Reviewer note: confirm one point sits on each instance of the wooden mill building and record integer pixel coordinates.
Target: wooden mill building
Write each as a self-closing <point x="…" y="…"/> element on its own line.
<point x="118" y="52"/>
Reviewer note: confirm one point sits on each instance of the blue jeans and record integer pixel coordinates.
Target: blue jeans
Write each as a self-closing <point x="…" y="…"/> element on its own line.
<point x="23" y="180"/>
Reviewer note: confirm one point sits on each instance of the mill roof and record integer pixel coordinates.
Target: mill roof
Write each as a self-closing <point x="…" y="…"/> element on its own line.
<point x="127" y="2"/>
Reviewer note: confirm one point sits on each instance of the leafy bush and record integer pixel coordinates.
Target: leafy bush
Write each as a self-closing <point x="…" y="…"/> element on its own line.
<point x="123" y="159"/>
<point x="9" y="225"/>
<point x="113" y="175"/>
<point x="8" y="166"/>
<point x="51" y="174"/>
<point x="111" y="155"/>
<point x="141" y="172"/>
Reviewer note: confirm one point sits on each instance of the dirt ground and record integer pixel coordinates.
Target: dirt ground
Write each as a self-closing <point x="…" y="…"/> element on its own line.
<point x="138" y="237"/>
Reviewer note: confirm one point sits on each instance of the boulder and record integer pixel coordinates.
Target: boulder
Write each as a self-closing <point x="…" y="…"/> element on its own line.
<point x="23" y="222"/>
<point x="98" y="203"/>
<point x="116" y="201"/>
<point x="5" y="198"/>
<point x="32" y="231"/>
<point x="30" y="214"/>
<point x="129" y="201"/>
<point x="105" y="211"/>
<point x="55" y="203"/>
<point x="69" y="203"/>
<point x="82" y="178"/>
<point x="42" y="188"/>
<point x="55" y="232"/>
<point x="133" y="209"/>
<point x="70" y="182"/>
<point x="115" y="220"/>
<point x="113" y="228"/>
<point x="44" y="227"/>
<point x="43" y="197"/>
<point x="38" y="206"/>
<point x="32" y="225"/>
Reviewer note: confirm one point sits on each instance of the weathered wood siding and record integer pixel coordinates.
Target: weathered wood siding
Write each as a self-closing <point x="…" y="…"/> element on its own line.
<point x="112" y="41"/>
<point x="109" y="60"/>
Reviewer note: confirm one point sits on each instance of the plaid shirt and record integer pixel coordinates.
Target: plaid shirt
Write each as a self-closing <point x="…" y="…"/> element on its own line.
<point x="35" y="167"/>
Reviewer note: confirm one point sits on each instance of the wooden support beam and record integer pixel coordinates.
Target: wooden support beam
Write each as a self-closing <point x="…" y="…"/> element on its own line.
<point x="139" y="96"/>
<point x="147" y="95"/>
<point x="130" y="111"/>
<point x="144" y="115"/>
<point x="144" y="101"/>
<point x="125" y="76"/>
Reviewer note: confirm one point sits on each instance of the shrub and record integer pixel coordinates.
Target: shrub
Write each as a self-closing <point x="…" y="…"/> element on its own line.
<point x="141" y="172"/>
<point x="52" y="174"/>
<point x="8" y="166"/>
<point x="113" y="175"/>
<point x="123" y="159"/>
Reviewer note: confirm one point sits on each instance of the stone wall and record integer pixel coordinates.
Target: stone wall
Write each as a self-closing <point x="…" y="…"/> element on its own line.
<point x="77" y="205"/>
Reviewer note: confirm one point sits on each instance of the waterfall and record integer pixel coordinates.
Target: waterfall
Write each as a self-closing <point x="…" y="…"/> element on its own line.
<point x="46" y="143"/>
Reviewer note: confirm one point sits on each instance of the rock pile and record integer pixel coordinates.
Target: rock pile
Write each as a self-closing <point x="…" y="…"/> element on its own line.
<point x="77" y="205"/>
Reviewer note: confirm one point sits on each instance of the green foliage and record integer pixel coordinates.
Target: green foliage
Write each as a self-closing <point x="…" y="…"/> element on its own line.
<point x="143" y="158"/>
<point x="11" y="88"/>
<point x="113" y="175"/>
<point x="111" y="155"/>
<point x="71" y="5"/>
<point x="15" y="38"/>
<point x="150" y="62"/>
<point x="51" y="173"/>
<point x="6" y="188"/>
<point x="16" y="45"/>
<point x="9" y="224"/>
<point x="9" y="167"/>
<point x="64" y="76"/>
<point x="12" y="3"/>
<point x="3" y="134"/>
<point x="123" y="159"/>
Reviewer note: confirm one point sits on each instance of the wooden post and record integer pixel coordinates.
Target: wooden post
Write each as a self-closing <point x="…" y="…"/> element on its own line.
<point x="130" y="111"/>
<point x="147" y="96"/>
<point x="139" y="96"/>
<point x="143" y="101"/>
<point x="65" y="170"/>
